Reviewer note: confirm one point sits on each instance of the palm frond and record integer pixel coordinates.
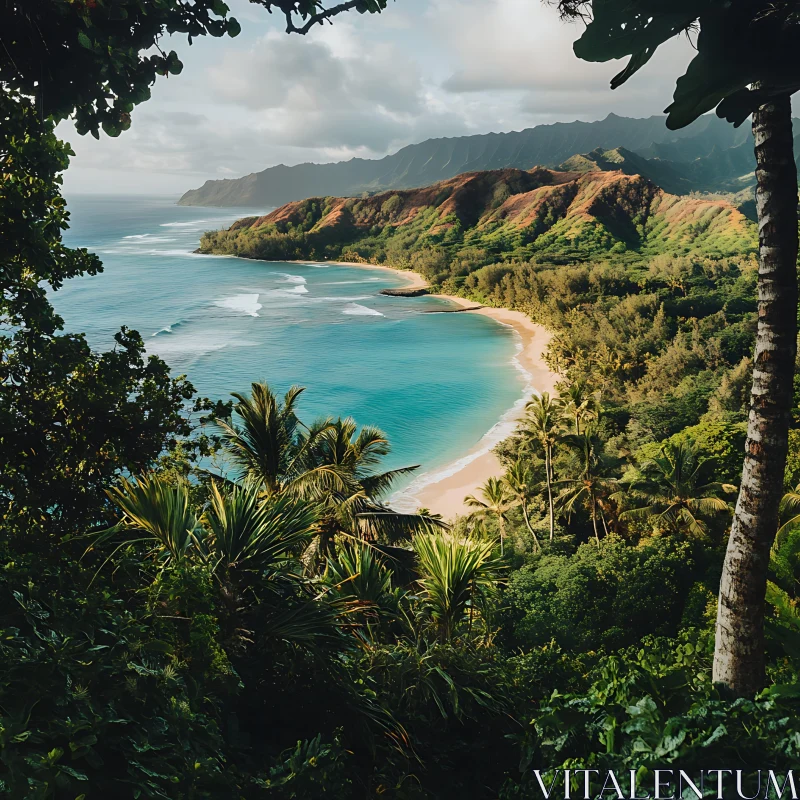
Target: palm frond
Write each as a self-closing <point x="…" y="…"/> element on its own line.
<point x="685" y="519"/>
<point x="309" y="624"/>
<point x="785" y="608"/>
<point x="261" y="443"/>
<point x="474" y="502"/>
<point x="707" y="505"/>
<point x="638" y="514"/>
<point x="359" y="572"/>
<point x="319" y="480"/>
<point x="371" y="445"/>
<point x="384" y="524"/>
<point x="571" y="496"/>
<point x="248" y="532"/>
<point x="158" y="511"/>
<point x="790" y="502"/>
<point x="377" y="485"/>
<point x="452" y="569"/>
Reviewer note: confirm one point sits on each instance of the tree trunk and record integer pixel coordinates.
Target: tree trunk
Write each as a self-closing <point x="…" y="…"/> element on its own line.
<point x="594" y="517"/>
<point x="530" y="527"/>
<point x="547" y="461"/>
<point x="739" y="647"/>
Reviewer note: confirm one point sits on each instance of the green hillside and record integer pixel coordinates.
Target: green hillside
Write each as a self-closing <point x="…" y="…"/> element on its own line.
<point x="450" y="228"/>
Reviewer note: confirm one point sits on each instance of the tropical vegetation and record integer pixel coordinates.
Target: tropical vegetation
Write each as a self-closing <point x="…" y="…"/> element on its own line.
<point x="215" y="599"/>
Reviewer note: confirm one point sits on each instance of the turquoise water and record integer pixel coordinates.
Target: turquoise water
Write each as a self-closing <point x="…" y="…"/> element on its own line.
<point x="436" y="383"/>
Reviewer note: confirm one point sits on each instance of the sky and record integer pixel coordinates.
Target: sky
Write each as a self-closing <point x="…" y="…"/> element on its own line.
<point x="365" y="86"/>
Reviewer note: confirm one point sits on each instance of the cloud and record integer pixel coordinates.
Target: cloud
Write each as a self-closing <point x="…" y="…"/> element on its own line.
<point x="182" y="118"/>
<point x="309" y="95"/>
<point x="363" y="87"/>
<point x="508" y="46"/>
<point x="169" y="143"/>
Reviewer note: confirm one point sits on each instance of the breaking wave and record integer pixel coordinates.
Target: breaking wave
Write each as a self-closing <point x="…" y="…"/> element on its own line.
<point x="241" y="303"/>
<point x="356" y="310"/>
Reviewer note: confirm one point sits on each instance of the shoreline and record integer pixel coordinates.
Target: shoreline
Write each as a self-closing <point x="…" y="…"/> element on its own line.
<point x="443" y="490"/>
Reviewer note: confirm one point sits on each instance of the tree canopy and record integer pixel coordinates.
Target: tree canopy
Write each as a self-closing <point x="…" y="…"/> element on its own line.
<point x="746" y="51"/>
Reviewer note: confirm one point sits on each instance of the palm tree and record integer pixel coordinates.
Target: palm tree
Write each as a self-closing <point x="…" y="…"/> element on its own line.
<point x="670" y="488"/>
<point x="157" y="512"/>
<point x="789" y="510"/>
<point x="785" y="552"/>
<point x="360" y="578"/>
<point x="241" y="530"/>
<point x="590" y="485"/>
<point x="456" y="573"/>
<point x="265" y="443"/>
<point x="745" y="64"/>
<point x="518" y="483"/>
<point x="329" y="463"/>
<point x="541" y="422"/>
<point x="241" y="536"/>
<point x="579" y="404"/>
<point x="496" y="502"/>
<point x="247" y="532"/>
<point x="353" y="506"/>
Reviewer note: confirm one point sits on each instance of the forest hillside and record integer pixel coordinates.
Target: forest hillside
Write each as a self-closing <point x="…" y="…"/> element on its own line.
<point x="474" y="219"/>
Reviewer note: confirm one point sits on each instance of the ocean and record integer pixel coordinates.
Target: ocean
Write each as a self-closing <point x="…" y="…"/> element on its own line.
<point x="437" y="384"/>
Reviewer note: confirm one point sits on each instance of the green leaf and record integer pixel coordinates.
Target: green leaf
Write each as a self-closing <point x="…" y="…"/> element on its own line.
<point x="80" y="776"/>
<point x="85" y="41"/>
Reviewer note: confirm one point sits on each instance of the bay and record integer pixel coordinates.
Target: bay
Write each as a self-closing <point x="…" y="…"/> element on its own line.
<point x="436" y="383"/>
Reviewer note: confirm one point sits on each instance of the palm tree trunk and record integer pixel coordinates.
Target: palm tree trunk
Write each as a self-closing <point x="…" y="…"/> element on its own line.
<point x="594" y="518"/>
<point x="502" y="535"/>
<point x="529" y="526"/>
<point x="603" y="520"/>
<point x="739" y="646"/>
<point x="549" y="478"/>
<point x="327" y="539"/>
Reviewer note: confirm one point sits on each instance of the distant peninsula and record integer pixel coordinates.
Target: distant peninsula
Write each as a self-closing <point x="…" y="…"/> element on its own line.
<point x="450" y="229"/>
<point x="708" y="156"/>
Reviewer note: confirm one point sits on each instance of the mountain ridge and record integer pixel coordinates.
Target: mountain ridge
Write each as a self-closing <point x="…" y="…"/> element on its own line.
<point x="433" y="160"/>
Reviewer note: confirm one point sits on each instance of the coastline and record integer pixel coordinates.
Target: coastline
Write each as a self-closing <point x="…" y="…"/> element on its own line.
<point x="416" y="280"/>
<point x="443" y="490"/>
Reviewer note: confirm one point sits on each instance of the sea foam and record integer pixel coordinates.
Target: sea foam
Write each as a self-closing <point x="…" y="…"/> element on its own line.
<point x="241" y="303"/>
<point x="293" y="292"/>
<point x="192" y="224"/>
<point x="351" y="283"/>
<point x="356" y="310"/>
<point x="170" y="328"/>
<point x="292" y="278"/>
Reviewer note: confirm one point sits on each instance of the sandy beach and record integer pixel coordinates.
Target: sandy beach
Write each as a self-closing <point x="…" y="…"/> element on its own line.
<point x="446" y="495"/>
